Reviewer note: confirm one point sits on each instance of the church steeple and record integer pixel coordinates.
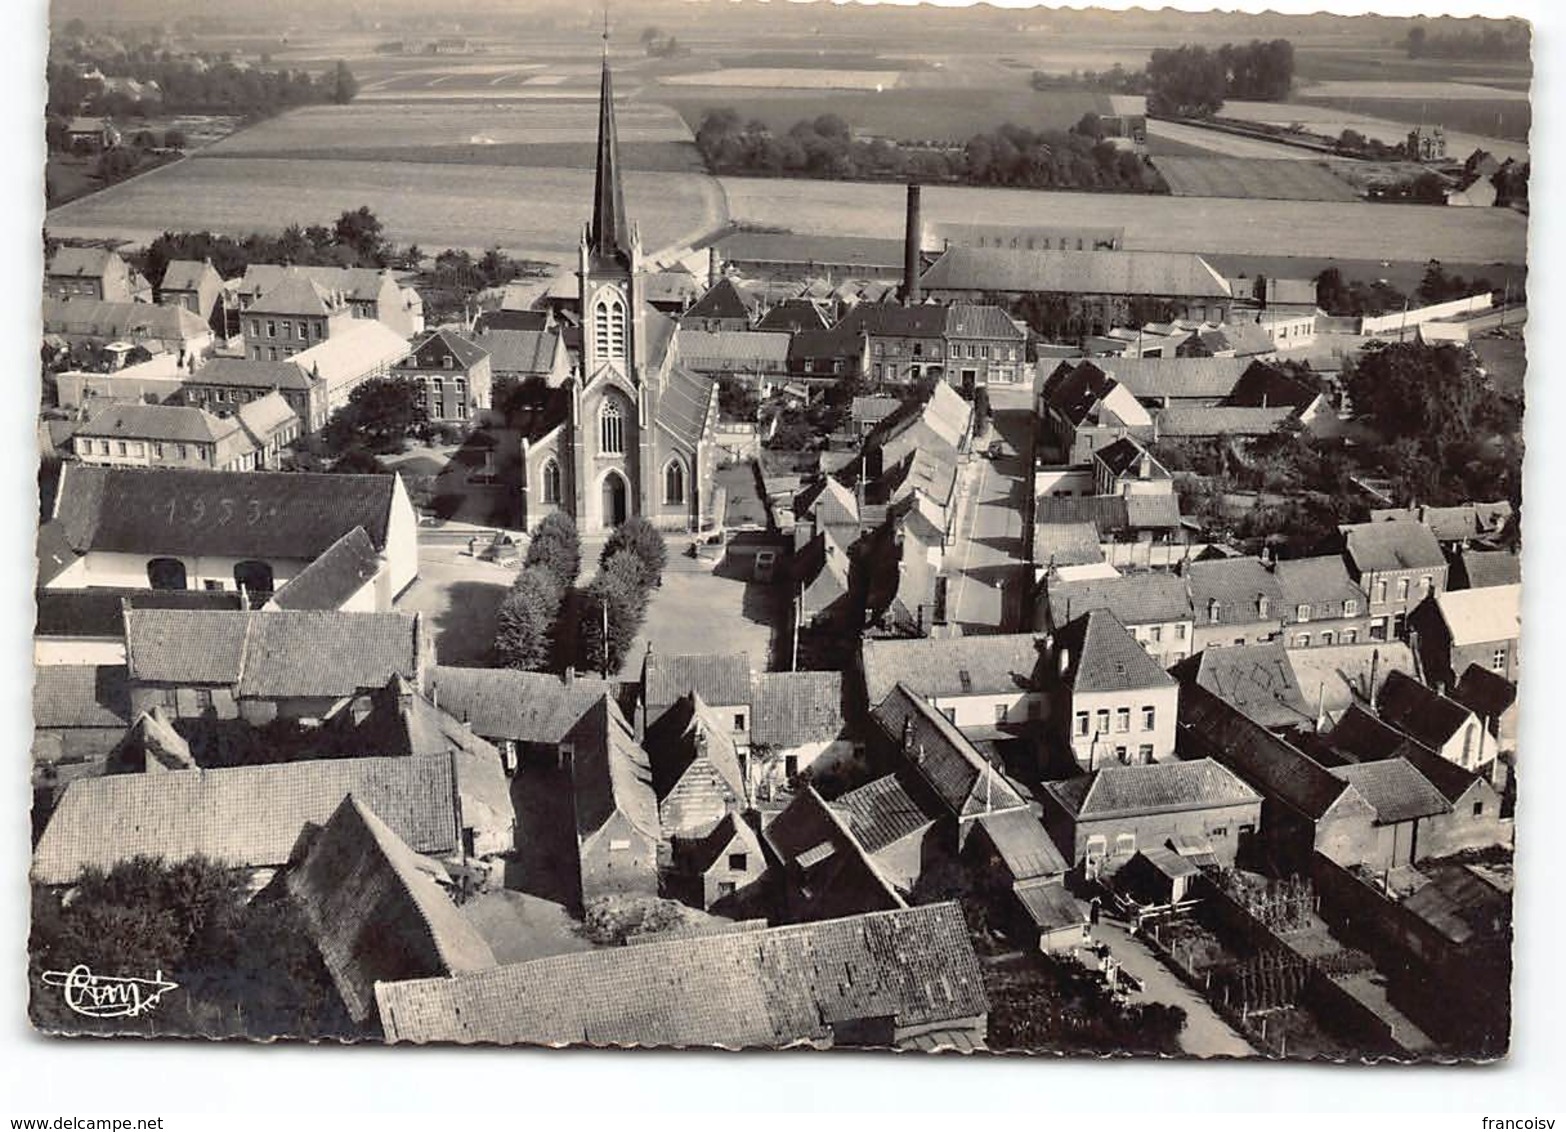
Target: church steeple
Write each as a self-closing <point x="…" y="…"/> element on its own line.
<point x="608" y="234"/>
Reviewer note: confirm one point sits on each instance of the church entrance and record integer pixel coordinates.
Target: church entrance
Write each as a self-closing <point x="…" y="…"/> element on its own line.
<point x="613" y="512"/>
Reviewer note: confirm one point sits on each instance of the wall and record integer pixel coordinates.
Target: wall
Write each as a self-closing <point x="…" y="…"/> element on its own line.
<point x="78" y="650"/>
<point x="401" y="552"/>
<point x="606" y="870"/>
<point x="1165" y="702"/>
<point x="1483" y="655"/>
<point x="1224" y="634"/>
<point x="1062" y="481"/>
<point x="1347" y="833"/>
<point x="101" y="568"/>
<point x="1445" y="834"/>
<point x="1219" y="825"/>
<point x="1402" y="319"/>
<point x="155" y="379"/>
<point x="979" y="710"/>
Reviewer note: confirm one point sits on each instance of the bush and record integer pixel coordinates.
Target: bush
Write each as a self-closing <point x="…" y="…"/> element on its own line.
<point x="645" y="543"/>
<point x="611" y="921"/>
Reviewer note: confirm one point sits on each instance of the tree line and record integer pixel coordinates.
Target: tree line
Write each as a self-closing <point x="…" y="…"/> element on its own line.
<point x="824" y="147"/>
<point x="189" y="86"/>
<point x="1511" y="41"/>
<point x="1193" y="82"/>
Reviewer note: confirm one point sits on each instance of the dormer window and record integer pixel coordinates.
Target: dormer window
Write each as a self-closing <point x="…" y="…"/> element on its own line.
<point x="1302" y="613"/>
<point x="1263" y="605"/>
<point x="1212" y="611"/>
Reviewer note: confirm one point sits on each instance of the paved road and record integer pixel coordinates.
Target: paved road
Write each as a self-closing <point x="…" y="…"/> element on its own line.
<point x="985" y="561"/>
<point x="1205" y="1033"/>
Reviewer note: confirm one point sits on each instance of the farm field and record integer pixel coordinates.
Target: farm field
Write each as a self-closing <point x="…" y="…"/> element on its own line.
<point x="533" y="213"/>
<point x="1392" y="64"/>
<point x="1421" y="91"/>
<point x="1217" y="143"/>
<point x="1332" y="120"/>
<point x="1252" y="179"/>
<point x="1504" y="118"/>
<point x="770" y="78"/>
<point x="1247" y="227"/>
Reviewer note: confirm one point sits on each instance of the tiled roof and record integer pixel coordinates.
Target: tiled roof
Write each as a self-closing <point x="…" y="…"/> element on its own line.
<point x="525" y="707"/>
<point x="1102" y="656"/>
<point x="1399" y="545"/>
<point x="1107" y="513"/>
<point x="1322" y="582"/>
<point x="1396" y="791"/>
<point x="133" y="321"/>
<point x="766" y="988"/>
<point x="793" y="315"/>
<point x="952" y="666"/>
<point x="689" y="733"/>
<point x="297" y="294"/>
<point x="826" y="870"/>
<point x="1336" y="676"/>
<point x="80" y="262"/>
<point x="248" y="816"/>
<point x="1272" y="765"/>
<point x="1136" y="599"/>
<point x="186" y="274"/>
<point x="793" y="708"/>
<point x="1422" y="712"/>
<point x="341" y="571"/>
<point x="173" y="424"/>
<point x="610" y="772"/>
<point x="1048" y="905"/>
<point x="737" y="350"/>
<point x="1257" y="679"/>
<point x="1178" y="422"/>
<point x="1175" y="274"/>
<point x="518" y="351"/>
<point x="1445" y="775"/>
<point x="272" y="654"/>
<point x="883" y="812"/>
<point x="440" y="341"/>
<point x="1485" y="568"/>
<point x="80" y="695"/>
<point x="227" y="514"/>
<point x="375" y="911"/>
<point x="1155" y="788"/>
<point x="1067" y="543"/>
<point x="100" y="612"/>
<point x="1239" y="586"/>
<point x="687" y="405"/>
<point x="1024" y="848"/>
<point x="359" y="283"/>
<point x="721" y="680"/>
<point x="722" y="300"/>
<point x="1365" y="738"/>
<point x="1477" y="617"/>
<point x="971" y="320"/>
<point x="961" y="777"/>
<point x="1193" y="379"/>
<point x="245" y="373"/>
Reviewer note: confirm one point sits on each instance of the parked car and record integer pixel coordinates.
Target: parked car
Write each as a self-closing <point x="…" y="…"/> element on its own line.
<point x="766" y="565"/>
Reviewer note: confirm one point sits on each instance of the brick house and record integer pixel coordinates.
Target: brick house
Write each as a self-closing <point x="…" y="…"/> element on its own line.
<point x="617" y="830"/>
<point x="1109" y="701"/>
<point x="453" y="375"/>
<point x="1236" y="601"/>
<point x="93" y="274"/>
<point x="697" y="773"/>
<point x="722" y="871"/>
<point x="291" y="316"/>
<point x="1322" y="604"/>
<point x="984" y="346"/>
<point x="1154" y="608"/>
<point x="195" y="286"/>
<point x="180" y="436"/>
<point x="369" y="293"/>
<point x="1469" y="627"/>
<point x="1397" y="565"/>
<point x="979" y="683"/>
<point x="224" y="384"/>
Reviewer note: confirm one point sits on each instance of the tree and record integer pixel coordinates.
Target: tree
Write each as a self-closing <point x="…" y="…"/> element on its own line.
<point x="526" y="618"/>
<point x="358" y="461"/>
<point x="615" y="600"/>
<point x="362" y="231"/>
<point x="1185" y="82"/>
<point x="645" y="543"/>
<point x="381" y="413"/>
<point x="344" y="85"/>
<point x="557" y="547"/>
<point x="1416" y="41"/>
<point x="175" y="139"/>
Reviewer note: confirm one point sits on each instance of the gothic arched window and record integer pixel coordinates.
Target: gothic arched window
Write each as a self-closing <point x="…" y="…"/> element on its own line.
<point x="611" y="430"/>
<point x="609" y="327"/>
<point x="674" y="482"/>
<point x="550" y="474"/>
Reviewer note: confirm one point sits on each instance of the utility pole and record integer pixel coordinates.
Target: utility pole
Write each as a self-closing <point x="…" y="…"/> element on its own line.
<point x="603" y="641"/>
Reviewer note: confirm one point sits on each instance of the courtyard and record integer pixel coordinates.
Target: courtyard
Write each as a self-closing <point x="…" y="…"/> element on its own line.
<point x="719" y="611"/>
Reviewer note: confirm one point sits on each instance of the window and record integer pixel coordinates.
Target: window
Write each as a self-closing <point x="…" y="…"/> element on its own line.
<point x="791" y="766"/>
<point x="611" y="430"/>
<point x="737" y="862"/>
<point x="950" y="713"/>
<point x="674" y="482"/>
<point x="1122" y="719"/>
<point x="1381" y="590"/>
<point x="288" y="329"/>
<point x="1263" y="606"/>
<point x="1326" y="637"/>
<point x="1156" y="633"/>
<point x="1125" y="844"/>
<point x="446" y="362"/>
<point x="725" y="888"/>
<point x="609" y="327"/>
<point x="1350" y="607"/>
<point x="1101" y="721"/>
<point x="1478" y="809"/>
<point x="318" y="328"/>
<point x="1212" y="611"/>
<point x="271" y="353"/>
<point x="166" y="574"/>
<point x="1424" y="585"/>
<point x="1180" y="631"/>
<point x="1350" y="636"/>
<point x="1082" y="723"/>
<point x="1302" y="613"/>
<point x="1123" y="755"/>
<point x="203" y="699"/>
<point x="1402" y="589"/>
<point x="617" y="845"/>
<point x="1218" y="831"/>
<point x="1095" y="846"/>
<point x="880" y="349"/>
<point x="255" y="328"/>
<point x="1302" y="641"/>
<point x="1144" y="753"/>
<point x="1498" y="660"/>
<point x="304" y="330"/>
<point x="739" y="721"/>
<point x="1378" y="629"/>
<point x="119" y="448"/>
<point x="1149" y="717"/>
<point x="271" y="328"/>
<point x="157" y="450"/>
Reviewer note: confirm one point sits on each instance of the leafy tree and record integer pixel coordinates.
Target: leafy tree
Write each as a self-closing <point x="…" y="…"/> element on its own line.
<point x="358" y="461"/>
<point x="525" y="621"/>
<point x="645" y="544"/>
<point x="344" y="85"/>
<point x="615" y="600"/>
<point x="1416" y="41"/>
<point x="362" y="231"/>
<point x="557" y="547"/>
<point x="627" y="575"/>
<point x="381" y="413"/>
<point x="1185" y="82"/>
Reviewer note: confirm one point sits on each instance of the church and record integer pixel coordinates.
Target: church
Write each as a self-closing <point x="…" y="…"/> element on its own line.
<point x="630" y="432"/>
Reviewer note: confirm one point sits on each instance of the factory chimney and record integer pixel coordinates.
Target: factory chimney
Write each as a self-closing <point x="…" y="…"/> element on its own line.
<point x="912" y="240"/>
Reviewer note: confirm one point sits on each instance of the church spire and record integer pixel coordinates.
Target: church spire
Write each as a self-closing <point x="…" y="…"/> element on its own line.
<point x="608" y="235"/>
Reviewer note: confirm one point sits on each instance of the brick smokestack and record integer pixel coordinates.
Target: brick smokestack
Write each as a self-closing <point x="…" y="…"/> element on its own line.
<point x="912" y="239"/>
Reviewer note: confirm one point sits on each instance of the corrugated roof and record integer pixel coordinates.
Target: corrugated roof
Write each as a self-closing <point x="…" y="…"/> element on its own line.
<point x="1102" y="656"/>
<point x="80" y="695"/>
<point x="1174" y="274"/>
<point x="178" y="511"/>
<point x="952" y="666"/>
<point x="341" y="571"/>
<point x="1396" y="791"/>
<point x="375" y="912"/>
<point x="248" y="816"/>
<point x="1478" y="617"/>
<point x="766" y="988"/>
<point x="1399" y="545"/>
<point x="1148" y="788"/>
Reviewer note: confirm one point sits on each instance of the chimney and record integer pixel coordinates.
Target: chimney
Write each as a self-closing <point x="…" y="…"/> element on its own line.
<point x="570" y="675"/>
<point x="912" y="238"/>
<point x="1144" y="468"/>
<point x="714" y="265"/>
<point x="907" y="734"/>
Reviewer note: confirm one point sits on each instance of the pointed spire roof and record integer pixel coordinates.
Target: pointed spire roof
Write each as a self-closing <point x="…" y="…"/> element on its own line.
<point x="608" y="235"/>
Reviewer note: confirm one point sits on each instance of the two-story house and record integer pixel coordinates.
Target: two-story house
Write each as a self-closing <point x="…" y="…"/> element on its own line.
<point x="370" y="294"/>
<point x="195" y="286"/>
<point x="905" y="344"/>
<point x="984" y="345"/>
<point x="1235" y="601"/>
<point x="93" y="274"/>
<point x="1451" y="631"/>
<point x="291" y="316"/>
<point x="453" y="374"/>
<point x="981" y="683"/>
<point x="224" y="384"/>
<point x="1109" y="701"/>
<point x="1397" y="565"/>
<point x="1124" y="467"/>
<point x="1154" y="607"/>
<point x="1322" y="605"/>
<point x="250" y="438"/>
<point x="1082" y="409"/>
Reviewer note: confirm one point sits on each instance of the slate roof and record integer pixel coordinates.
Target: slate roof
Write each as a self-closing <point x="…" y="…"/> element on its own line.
<point x="722" y="300"/>
<point x="1136" y="599"/>
<point x="883" y="812"/>
<point x="1113" y="791"/>
<point x="687" y="405"/>
<point x="952" y="666"/>
<point x="297" y="294"/>
<point x="1179" y="422"/>
<point x="246" y="373"/>
<point x="175" y="424"/>
<point x="1235" y="584"/>
<point x="272" y="654"/>
<point x="1102" y="656"/>
<point x="1424" y="713"/>
<point x="1257" y="679"/>
<point x="511" y="320"/>
<point x="1181" y="379"/>
<point x="342" y="570"/>
<point x="720" y="679"/>
<point x="972" y="320"/>
<point x="610" y="772"/>
<point x="1321" y="582"/>
<point x="768" y="988"/>
<point x="1398" y="545"/>
<point x="793" y="315"/>
<point x="130" y="320"/>
<point x="100" y="612"/>
<point x="794" y="708"/>
<point x="362" y="284"/>
<point x="894" y="320"/>
<point x="248" y="816"/>
<point x="1023" y="846"/>
<point x="1485" y="568"/>
<point x="741" y="351"/>
<point x="1477" y="617"/>
<point x="178" y="511"/>
<point x="375" y="911"/>
<point x="1272" y="765"/>
<point x="1396" y="791"/>
<point x="518" y="351"/>
<point x="961" y="777"/>
<point x="525" y="707"/>
<point x="186" y="274"/>
<point x="1365" y="738"/>
<point x="1067" y="543"/>
<point x="54" y="551"/>
<point x="466" y="353"/>
<point x="1176" y="274"/>
<point x="70" y="260"/>
<point x="1486" y="693"/>
<point x="80" y="695"/>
